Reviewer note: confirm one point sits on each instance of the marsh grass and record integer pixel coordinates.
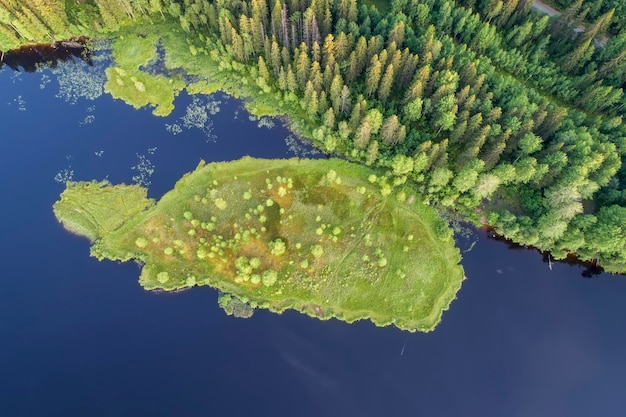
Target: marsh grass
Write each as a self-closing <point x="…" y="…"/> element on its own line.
<point x="311" y="235"/>
<point x="95" y="209"/>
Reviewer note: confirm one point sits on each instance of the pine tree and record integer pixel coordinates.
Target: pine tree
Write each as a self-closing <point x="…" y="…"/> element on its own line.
<point x="396" y="34"/>
<point x="345" y="100"/>
<point x="372" y="152"/>
<point x="492" y="9"/>
<point x="360" y="55"/>
<point x="315" y="76"/>
<point x="52" y="13"/>
<point x="335" y="92"/>
<point x="263" y="71"/>
<point x="342" y="47"/>
<point x="328" y="51"/>
<point x="329" y="118"/>
<point x="413" y="110"/>
<point x="389" y="129"/>
<point x="274" y="58"/>
<point x="374" y="46"/>
<point x="355" y="116"/>
<point x="598" y="27"/>
<point x="611" y="65"/>
<point x="310" y="99"/>
<point x="282" y="79"/>
<point x="507" y="10"/>
<point x="316" y="52"/>
<point x="246" y="37"/>
<point x="292" y="82"/>
<point x="352" y="11"/>
<point x="373" y="76"/>
<point x="323" y="103"/>
<point x="285" y="56"/>
<point x="352" y="71"/>
<point x="408" y="66"/>
<point x="343" y="7"/>
<point x="327" y="77"/>
<point x="382" y="57"/>
<point x="386" y="84"/>
<point x="575" y="59"/>
<point x="276" y="26"/>
<point x="396" y="61"/>
<point x="302" y="66"/>
<point x="236" y="47"/>
<point x="416" y="90"/>
<point x="475" y="123"/>
<point x="362" y="135"/>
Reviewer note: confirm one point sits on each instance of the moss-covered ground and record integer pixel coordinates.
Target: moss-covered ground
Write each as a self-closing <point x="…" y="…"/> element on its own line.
<point x="319" y="236"/>
<point x="95" y="209"/>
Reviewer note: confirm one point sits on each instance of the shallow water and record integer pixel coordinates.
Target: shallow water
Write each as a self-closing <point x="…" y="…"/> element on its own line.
<point x="80" y="337"/>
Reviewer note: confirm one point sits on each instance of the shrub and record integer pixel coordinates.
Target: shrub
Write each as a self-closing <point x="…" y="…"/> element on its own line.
<point x="269" y="277"/>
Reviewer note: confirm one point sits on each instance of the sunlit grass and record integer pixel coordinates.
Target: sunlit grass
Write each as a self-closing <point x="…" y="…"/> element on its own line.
<point x="310" y="235"/>
<point x="95" y="209"/>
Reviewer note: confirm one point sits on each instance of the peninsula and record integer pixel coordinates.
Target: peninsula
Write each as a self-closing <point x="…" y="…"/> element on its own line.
<point x="325" y="237"/>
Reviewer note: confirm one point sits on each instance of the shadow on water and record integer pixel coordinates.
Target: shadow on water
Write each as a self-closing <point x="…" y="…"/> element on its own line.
<point x="591" y="268"/>
<point x="31" y="57"/>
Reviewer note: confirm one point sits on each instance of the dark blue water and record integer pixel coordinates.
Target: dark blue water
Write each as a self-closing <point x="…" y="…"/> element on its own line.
<point x="79" y="337"/>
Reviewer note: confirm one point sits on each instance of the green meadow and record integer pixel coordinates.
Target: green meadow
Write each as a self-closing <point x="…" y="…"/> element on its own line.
<point x="324" y="237"/>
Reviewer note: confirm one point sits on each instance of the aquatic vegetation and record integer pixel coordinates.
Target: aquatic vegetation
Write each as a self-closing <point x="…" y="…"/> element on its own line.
<point x="19" y="102"/>
<point x="89" y="117"/>
<point x="144" y="170"/>
<point x="81" y="80"/>
<point x="312" y="235"/>
<point x="265" y="122"/>
<point x="300" y="147"/>
<point x="64" y="175"/>
<point x="45" y="80"/>
<point x="197" y="116"/>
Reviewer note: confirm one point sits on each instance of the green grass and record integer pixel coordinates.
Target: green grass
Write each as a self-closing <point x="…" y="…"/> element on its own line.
<point x="312" y="235"/>
<point x="139" y="88"/>
<point x="95" y="209"/>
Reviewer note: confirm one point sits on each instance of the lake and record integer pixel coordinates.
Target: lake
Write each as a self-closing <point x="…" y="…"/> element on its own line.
<point x="81" y="338"/>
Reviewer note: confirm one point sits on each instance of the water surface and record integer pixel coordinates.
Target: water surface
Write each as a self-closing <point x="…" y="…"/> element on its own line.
<point x="81" y="338"/>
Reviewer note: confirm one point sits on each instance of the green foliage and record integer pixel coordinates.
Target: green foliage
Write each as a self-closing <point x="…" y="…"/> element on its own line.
<point x="234" y="306"/>
<point x="314" y="235"/>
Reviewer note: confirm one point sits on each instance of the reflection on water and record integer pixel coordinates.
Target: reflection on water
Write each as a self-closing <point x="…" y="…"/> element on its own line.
<point x="83" y="80"/>
<point x="301" y="149"/>
<point x="31" y="57"/>
<point x="589" y="269"/>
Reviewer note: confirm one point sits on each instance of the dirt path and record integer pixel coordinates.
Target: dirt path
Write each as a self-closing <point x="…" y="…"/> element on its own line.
<point x="544" y="8"/>
<point x="541" y="7"/>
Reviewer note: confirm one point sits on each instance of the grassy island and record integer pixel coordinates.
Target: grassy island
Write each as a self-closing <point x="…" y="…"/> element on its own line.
<point x="324" y="237"/>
